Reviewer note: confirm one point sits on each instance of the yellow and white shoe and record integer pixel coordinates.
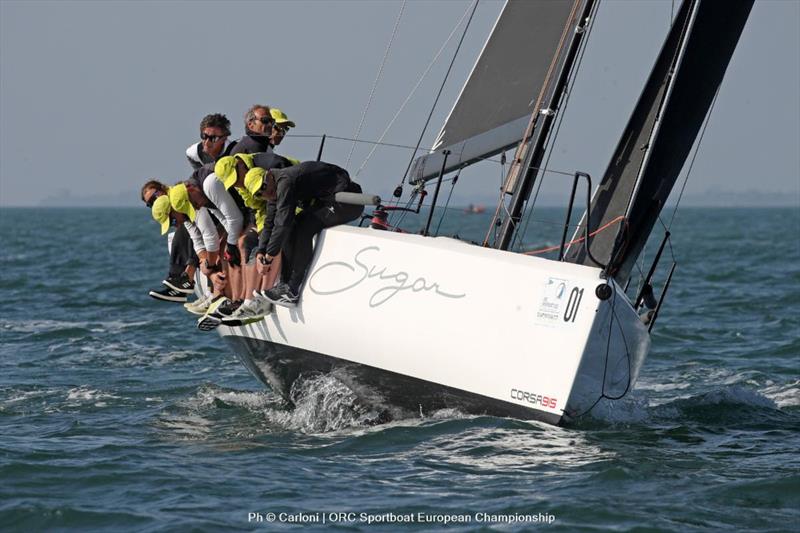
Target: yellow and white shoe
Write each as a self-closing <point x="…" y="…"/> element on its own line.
<point x="199" y="306"/>
<point x="212" y="319"/>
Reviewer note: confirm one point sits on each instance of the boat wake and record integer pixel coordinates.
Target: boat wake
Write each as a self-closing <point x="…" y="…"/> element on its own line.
<point x="731" y="405"/>
<point x="321" y="404"/>
<point x="327" y="403"/>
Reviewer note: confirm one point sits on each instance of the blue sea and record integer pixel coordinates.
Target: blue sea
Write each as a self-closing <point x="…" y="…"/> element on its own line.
<point x="117" y="414"/>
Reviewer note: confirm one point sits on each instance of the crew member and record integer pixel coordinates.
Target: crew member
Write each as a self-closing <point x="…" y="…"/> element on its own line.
<point x="232" y="171"/>
<point x="280" y="127"/>
<point x="258" y="128"/>
<point x="313" y="184"/>
<point x="166" y="215"/>
<point x="214" y="132"/>
<point x="207" y="195"/>
<point x="182" y="258"/>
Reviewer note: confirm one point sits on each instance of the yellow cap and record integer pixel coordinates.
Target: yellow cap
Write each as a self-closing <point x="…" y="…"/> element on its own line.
<point x="160" y="210"/>
<point x="225" y="168"/>
<point x="179" y="199"/>
<point x="254" y="179"/>
<point x="280" y="117"/>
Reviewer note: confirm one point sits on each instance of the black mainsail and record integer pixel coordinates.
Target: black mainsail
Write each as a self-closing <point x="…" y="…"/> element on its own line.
<point x="661" y="131"/>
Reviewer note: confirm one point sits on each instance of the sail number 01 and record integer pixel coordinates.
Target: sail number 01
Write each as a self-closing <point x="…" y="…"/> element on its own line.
<point x="573" y="303"/>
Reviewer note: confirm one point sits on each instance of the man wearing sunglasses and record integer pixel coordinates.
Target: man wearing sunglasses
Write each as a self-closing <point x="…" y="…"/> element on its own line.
<point x="280" y="127"/>
<point x="258" y="129"/>
<point x="183" y="259"/>
<point x="214" y="132"/>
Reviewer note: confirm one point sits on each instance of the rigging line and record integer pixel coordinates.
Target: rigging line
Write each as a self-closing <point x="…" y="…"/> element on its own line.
<point x="414" y="90"/>
<point x="627" y="355"/>
<point x="403" y="214"/>
<point x="669" y="240"/>
<point x="364" y="141"/>
<point x="552" y="140"/>
<point x="377" y="79"/>
<point x="441" y="88"/>
<point x="691" y="163"/>
<point x="605" y="364"/>
<point x="446" y="204"/>
<point x="592" y="234"/>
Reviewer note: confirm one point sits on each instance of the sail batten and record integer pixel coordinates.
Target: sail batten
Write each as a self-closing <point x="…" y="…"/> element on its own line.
<point x="494" y="107"/>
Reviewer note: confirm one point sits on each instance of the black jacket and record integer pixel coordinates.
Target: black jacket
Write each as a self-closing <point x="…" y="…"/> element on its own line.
<point x="270" y="160"/>
<point x="251" y="143"/>
<point x="298" y="185"/>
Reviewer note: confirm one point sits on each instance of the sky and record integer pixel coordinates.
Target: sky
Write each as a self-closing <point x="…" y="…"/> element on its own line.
<point x="97" y="97"/>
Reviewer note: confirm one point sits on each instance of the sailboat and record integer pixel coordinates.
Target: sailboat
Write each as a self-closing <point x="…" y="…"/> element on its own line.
<point x="409" y="320"/>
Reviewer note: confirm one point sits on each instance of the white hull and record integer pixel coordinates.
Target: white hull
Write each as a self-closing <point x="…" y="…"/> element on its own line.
<point x="432" y="322"/>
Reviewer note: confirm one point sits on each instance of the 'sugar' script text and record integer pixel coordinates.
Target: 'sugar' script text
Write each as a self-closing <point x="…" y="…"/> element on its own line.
<point x="348" y="275"/>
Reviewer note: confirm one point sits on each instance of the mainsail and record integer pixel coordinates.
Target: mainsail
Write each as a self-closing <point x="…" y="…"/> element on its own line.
<point x="498" y="99"/>
<point x="661" y="131"/>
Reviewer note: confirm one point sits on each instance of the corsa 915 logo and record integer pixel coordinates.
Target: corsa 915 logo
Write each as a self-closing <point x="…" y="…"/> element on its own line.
<point x="535" y="399"/>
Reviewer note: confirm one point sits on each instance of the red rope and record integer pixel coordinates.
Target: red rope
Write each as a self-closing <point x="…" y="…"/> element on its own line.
<point x="592" y="234"/>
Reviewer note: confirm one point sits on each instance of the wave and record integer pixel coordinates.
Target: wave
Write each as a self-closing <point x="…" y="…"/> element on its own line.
<point x="50" y="326"/>
<point x="319" y="404"/>
<point x="731" y="405"/>
<point x="784" y="395"/>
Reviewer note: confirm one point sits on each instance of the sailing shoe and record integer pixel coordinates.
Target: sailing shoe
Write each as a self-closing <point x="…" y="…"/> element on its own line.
<point x="180" y="283"/>
<point x="229" y="308"/>
<point x="166" y="294"/>
<point x="212" y="319"/>
<point x="251" y="311"/>
<point x="283" y="295"/>
<point x="199" y="306"/>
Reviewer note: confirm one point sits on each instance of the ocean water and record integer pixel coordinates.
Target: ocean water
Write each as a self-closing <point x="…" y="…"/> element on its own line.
<point x="116" y="413"/>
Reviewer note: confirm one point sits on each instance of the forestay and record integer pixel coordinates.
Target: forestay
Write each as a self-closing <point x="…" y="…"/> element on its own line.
<point x="498" y="99"/>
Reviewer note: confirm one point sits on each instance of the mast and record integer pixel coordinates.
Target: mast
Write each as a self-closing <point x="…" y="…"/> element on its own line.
<point x="531" y="151"/>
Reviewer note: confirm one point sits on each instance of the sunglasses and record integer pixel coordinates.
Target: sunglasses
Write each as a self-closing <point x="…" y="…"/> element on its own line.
<point x="212" y="138"/>
<point x="267" y="121"/>
<point x="153" y="197"/>
<point x="280" y="129"/>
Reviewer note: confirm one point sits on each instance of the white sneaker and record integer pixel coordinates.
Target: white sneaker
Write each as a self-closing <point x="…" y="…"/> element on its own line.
<point x="199" y="306"/>
<point x="250" y="311"/>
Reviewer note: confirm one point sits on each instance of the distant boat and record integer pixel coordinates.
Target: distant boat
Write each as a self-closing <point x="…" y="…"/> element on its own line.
<point x="425" y="322"/>
<point x="475" y="208"/>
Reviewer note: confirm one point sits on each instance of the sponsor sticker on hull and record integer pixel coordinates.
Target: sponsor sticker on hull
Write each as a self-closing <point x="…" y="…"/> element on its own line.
<point x="554" y="296"/>
<point x="560" y="302"/>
